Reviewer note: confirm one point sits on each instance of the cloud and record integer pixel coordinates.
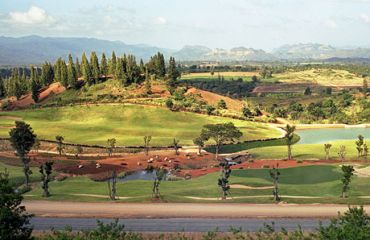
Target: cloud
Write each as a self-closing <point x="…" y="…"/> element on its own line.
<point x="160" y="20"/>
<point x="34" y="15"/>
<point x="365" y="18"/>
<point x="330" y="23"/>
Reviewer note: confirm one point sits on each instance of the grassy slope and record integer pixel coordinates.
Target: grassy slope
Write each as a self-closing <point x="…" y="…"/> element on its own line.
<point x="319" y="181"/>
<point x="324" y="77"/>
<point x="16" y="174"/>
<point x="232" y="148"/>
<point x="127" y="123"/>
<point x="246" y="76"/>
<point x="306" y="151"/>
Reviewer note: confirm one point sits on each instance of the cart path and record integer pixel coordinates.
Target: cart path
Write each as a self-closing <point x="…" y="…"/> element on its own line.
<point x="182" y="210"/>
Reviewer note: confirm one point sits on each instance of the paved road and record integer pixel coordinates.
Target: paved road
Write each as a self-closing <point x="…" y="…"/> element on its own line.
<point x="177" y="224"/>
<point x="182" y="210"/>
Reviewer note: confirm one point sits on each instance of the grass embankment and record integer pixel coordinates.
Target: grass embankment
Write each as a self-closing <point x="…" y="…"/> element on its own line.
<point x="127" y="123"/>
<point x="321" y="183"/>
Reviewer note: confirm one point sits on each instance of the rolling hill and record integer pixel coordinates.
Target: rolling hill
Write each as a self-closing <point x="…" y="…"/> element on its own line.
<point x="35" y="50"/>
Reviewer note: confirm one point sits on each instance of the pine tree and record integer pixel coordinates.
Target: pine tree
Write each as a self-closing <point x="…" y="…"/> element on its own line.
<point x="78" y="68"/>
<point x="173" y="74"/>
<point x="160" y="65"/>
<point x="72" y="76"/>
<point x="57" y="69"/>
<point x="2" y="88"/>
<point x="103" y="65"/>
<point x="35" y="85"/>
<point x="112" y="64"/>
<point x="17" y="87"/>
<point x="119" y="73"/>
<point x="63" y="73"/>
<point x="47" y="74"/>
<point x="142" y="66"/>
<point x="24" y="84"/>
<point x="95" y="71"/>
<point x="132" y="70"/>
<point x="157" y="66"/>
<point x="86" y="69"/>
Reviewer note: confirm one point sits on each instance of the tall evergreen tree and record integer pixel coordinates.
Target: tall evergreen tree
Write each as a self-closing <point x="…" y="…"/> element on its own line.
<point x="142" y="66"/>
<point x="119" y="73"/>
<point x="95" y="71"/>
<point x="86" y="69"/>
<point x="78" y="68"/>
<point x="2" y="88"/>
<point x="112" y="64"/>
<point x="63" y="73"/>
<point x="173" y="74"/>
<point x="103" y="65"/>
<point x="71" y="71"/>
<point x="47" y="74"/>
<point x="132" y="70"/>
<point x="57" y="69"/>
<point x="35" y="85"/>
<point x="160" y="65"/>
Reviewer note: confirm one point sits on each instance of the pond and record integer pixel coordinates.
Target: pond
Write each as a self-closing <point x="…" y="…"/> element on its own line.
<point x="324" y="135"/>
<point x="139" y="175"/>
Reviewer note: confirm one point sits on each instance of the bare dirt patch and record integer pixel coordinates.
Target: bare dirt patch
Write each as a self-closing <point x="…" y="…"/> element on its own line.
<point x="26" y="100"/>
<point x="213" y="99"/>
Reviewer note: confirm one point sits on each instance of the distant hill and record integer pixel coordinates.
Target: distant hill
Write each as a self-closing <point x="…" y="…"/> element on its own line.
<point x="318" y="51"/>
<point x="35" y="50"/>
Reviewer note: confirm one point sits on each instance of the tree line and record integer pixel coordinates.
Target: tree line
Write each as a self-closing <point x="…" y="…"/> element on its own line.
<point x="75" y="73"/>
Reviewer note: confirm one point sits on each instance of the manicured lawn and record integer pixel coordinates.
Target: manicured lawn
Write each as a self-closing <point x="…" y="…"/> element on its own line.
<point x="16" y="174"/>
<point x="306" y="151"/>
<point x="315" y="181"/>
<point x="127" y="123"/>
<point x="232" y="148"/>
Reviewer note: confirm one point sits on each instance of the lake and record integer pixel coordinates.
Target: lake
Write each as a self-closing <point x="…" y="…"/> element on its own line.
<point x="324" y="135"/>
<point x="140" y="175"/>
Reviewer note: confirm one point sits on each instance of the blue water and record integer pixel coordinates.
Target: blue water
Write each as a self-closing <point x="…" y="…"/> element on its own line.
<point x="139" y="175"/>
<point x="312" y="136"/>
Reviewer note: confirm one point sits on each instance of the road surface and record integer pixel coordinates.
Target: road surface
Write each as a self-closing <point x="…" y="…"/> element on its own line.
<point x="182" y="210"/>
<point x="177" y="224"/>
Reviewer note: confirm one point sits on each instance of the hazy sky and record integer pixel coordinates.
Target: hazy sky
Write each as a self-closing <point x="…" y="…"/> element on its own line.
<point x="262" y="24"/>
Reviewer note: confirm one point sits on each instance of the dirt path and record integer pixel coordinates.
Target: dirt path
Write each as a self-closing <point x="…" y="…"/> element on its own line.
<point x="183" y="210"/>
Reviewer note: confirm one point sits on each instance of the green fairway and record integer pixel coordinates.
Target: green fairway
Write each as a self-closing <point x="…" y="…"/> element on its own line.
<point x="306" y="151"/>
<point x="16" y="174"/>
<point x="127" y="123"/>
<point x="233" y="148"/>
<point x="321" y="182"/>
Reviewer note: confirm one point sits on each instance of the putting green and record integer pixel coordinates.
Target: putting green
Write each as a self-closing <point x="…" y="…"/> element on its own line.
<point x="127" y="123"/>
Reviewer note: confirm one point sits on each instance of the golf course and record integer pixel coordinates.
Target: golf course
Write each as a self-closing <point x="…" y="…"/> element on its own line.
<point x="126" y="122"/>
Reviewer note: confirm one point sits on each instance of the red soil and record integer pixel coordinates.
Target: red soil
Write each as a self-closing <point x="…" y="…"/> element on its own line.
<point x="213" y="99"/>
<point x="27" y="100"/>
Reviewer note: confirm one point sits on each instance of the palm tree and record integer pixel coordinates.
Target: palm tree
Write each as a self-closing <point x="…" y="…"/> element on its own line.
<point x="289" y="135"/>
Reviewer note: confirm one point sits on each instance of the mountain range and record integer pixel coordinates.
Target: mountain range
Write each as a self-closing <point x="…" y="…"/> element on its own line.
<point x="36" y="49"/>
